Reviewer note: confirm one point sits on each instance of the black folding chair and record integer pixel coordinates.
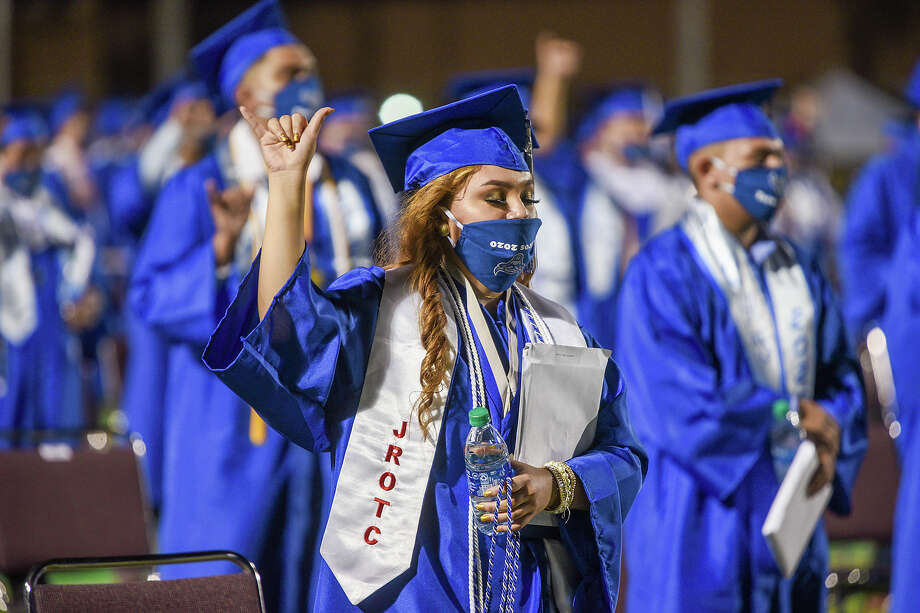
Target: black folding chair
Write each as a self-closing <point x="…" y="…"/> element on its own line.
<point x="78" y="496"/>
<point x="230" y="593"/>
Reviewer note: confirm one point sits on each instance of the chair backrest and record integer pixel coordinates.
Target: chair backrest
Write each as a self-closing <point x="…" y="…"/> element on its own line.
<point x="232" y="593"/>
<point x="70" y="502"/>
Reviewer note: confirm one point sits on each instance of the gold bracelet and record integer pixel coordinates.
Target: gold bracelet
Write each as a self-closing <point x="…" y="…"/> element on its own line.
<point x="565" y="480"/>
<point x="558" y="480"/>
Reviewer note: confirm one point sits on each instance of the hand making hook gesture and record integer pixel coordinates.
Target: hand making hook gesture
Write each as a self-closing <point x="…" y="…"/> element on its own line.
<point x="288" y="142"/>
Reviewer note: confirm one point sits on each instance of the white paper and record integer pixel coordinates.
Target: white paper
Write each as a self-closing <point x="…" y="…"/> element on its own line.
<point x="560" y="396"/>
<point x="793" y="515"/>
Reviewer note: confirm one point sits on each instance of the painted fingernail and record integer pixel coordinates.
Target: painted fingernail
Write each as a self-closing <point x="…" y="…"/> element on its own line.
<point x="486" y="518"/>
<point x="296" y="137"/>
<point x="480" y="507"/>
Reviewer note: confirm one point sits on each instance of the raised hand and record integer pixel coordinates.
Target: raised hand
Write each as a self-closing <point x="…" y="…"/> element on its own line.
<point x="558" y="57"/>
<point x="288" y="142"/>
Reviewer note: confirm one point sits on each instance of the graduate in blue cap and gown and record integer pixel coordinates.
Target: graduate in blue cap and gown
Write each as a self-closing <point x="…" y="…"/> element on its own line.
<point x="718" y="320"/>
<point x="901" y="327"/>
<point x="45" y="263"/>
<point x="70" y="123"/>
<point x="229" y="482"/>
<point x="183" y="121"/>
<point x="812" y="213"/>
<point x="626" y="198"/>
<point x="383" y="367"/>
<point x="557" y="177"/>
<point x="878" y="206"/>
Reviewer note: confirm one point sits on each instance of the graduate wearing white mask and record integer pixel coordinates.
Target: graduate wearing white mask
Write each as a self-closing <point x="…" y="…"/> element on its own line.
<point x="383" y="367"/>
<point x="626" y="198"/>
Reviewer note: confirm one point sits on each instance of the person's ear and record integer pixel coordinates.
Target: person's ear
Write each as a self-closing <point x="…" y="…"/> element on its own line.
<point x="702" y="168"/>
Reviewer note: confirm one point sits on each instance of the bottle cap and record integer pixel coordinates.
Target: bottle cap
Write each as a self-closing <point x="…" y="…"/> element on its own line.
<point x="479" y="416"/>
<point x="780" y="408"/>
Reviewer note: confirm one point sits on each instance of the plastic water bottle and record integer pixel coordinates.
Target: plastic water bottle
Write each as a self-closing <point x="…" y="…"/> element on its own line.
<point x="785" y="435"/>
<point x="486" y="456"/>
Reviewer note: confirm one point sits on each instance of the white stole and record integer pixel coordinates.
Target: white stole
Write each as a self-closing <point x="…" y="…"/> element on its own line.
<point x="373" y="524"/>
<point x="777" y="330"/>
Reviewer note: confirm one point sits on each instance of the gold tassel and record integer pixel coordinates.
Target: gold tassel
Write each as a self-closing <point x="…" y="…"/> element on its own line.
<point x="258" y="429"/>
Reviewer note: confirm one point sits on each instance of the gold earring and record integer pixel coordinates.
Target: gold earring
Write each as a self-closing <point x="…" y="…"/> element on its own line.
<point x="444" y="229"/>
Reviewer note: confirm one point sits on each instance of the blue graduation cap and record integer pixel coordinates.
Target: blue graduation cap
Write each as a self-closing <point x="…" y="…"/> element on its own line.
<point x="913" y="87"/>
<point x="468" y="84"/>
<point x="490" y="128"/>
<point x="634" y="99"/>
<point x="718" y="115"/>
<point x="22" y="123"/>
<point x="223" y="57"/>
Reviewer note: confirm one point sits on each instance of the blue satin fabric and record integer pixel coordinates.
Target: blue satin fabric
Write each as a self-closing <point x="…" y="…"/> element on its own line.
<point x="303" y="368"/>
<point x="219" y="490"/>
<point x="878" y="208"/>
<point x="693" y="539"/>
<point x="901" y="324"/>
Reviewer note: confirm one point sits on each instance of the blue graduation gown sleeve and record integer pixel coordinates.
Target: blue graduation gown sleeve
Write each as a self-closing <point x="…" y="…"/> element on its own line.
<point x="285" y="365"/>
<point x="174" y="286"/>
<point x="878" y="207"/>
<point x="707" y="414"/>
<point x="611" y="473"/>
<point x="839" y="389"/>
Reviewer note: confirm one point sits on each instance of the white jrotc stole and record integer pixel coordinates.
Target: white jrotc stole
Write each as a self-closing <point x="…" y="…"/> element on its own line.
<point x="371" y="533"/>
<point x="776" y="329"/>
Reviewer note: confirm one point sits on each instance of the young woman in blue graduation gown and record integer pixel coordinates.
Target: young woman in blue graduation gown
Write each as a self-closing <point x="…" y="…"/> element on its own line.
<point x="220" y="488"/>
<point x="300" y="356"/>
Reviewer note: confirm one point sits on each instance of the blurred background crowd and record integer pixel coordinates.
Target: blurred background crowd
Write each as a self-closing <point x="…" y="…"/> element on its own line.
<point x="101" y="109"/>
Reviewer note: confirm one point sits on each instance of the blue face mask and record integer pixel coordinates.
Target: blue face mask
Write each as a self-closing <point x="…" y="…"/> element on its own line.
<point x="23" y="182"/>
<point x="496" y="251"/>
<point x="758" y="189"/>
<point x="302" y="96"/>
